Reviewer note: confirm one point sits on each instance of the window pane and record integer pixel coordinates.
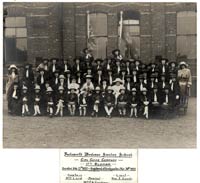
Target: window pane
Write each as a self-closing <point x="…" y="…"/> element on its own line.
<point x="10" y="50"/>
<point x="21" y="50"/>
<point x="10" y="22"/>
<point x="130" y="48"/>
<point x="186" y="22"/>
<point x="98" y="24"/>
<point x="186" y="45"/>
<point x="20" y="22"/>
<point x="98" y="45"/>
<point x="132" y="30"/>
<point x="21" y="32"/>
<point x="131" y="22"/>
<point x="10" y="32"/>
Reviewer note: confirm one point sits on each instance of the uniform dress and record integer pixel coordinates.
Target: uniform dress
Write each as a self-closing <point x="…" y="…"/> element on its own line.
<point x="144" y="105"/>
<point x="25" y="103"/>
<point x="14" y="103"/>
<point x="109" y="103"/>
<point x="122" y="100"/>
<point x="60" y="100"/>
<point x="83" y="104"/>
<point x="72" y="101"/>
<point x="133" y="104"/>
<point x="37" y="103"/>
<point x="97" y="100"/>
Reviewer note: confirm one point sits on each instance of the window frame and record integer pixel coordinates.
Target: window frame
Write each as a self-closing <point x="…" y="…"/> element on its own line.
<point x="99" y="36"/>
<point x="128" y="25"/>
<point x="185" y="35"/>
<point x="16" y="38"/>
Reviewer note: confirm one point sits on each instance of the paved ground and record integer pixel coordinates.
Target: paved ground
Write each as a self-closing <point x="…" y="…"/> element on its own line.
<point x="68" y="132"/>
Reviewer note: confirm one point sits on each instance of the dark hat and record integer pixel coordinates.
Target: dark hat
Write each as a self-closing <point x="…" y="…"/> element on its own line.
<point x="104" y="79"/>
<point x="162" y="75"/>
<point x="128" y="76"/>
<point x="153" y="75"/>
<point x="155" y="87"/>
<point x="173" y="62"/>
<point x="141" y="76"/>
<point x="41" y="69"/>
<point x="73" y="77"/>
<point x="123" y="69"/>
<point x="16" y="83"/>
<point x="45" y="59"/>
<point x="134" y="69"/>
<point x="109" y="70"/>
<point x="54" y="59"/>
<point x="78" y="72"/>
<point x="77" y="58"/>
<point x="153" y="63"/>
<point x="99" y="59"/>
<point x="109" y="58"/>
<point x="85" y="50"/>
<point x="89" y="68"/>
<point x="100" y="69"/>
<point x="113" y="52"/>
<point x="166" y="87"/>
<point x="67" y="71"/>
<point x="166" y="60"/>
<point x="56" y="71"/>
<point x="28" y="64"/>
<point x="117" y="60"/>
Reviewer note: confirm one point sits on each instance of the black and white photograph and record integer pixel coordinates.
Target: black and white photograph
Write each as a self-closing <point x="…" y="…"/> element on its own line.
<point x="99" y="74"/>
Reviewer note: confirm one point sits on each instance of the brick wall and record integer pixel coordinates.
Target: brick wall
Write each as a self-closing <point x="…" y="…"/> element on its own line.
<point x="60" y="28"/>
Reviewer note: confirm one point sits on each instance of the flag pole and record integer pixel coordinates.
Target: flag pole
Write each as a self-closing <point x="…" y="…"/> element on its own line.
<point x="121" y="27"/>
<point x="88" y="26"/>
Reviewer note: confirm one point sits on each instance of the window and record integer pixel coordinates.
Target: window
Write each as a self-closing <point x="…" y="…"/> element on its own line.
<point x="186" y="34"/>
<point x="129" y="34"/>
<point x="97" y="37"/>
<point x="15" y="40"/>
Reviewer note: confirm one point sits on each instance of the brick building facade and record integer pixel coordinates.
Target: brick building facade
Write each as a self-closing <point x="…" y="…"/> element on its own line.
<point x="60" y="29"/>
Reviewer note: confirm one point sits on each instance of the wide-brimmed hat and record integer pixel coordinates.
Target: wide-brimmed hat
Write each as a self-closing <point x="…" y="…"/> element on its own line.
<point x="97" y="88"/>
<point x="37" y="87"/>
<point x="183" y="63"/>
<point x="60" y="88"/>
<point x="13" y="66"/>
<point x="144" y="89"/>
<point x="133" y="89"/>
<point x="88" y="76"/>
<point x="49" y="89"/>
<point x="113" y="52"/>
<point x="24" y="88"/>
<point x="117" y="80"/>
<point x="61" y="76"/>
